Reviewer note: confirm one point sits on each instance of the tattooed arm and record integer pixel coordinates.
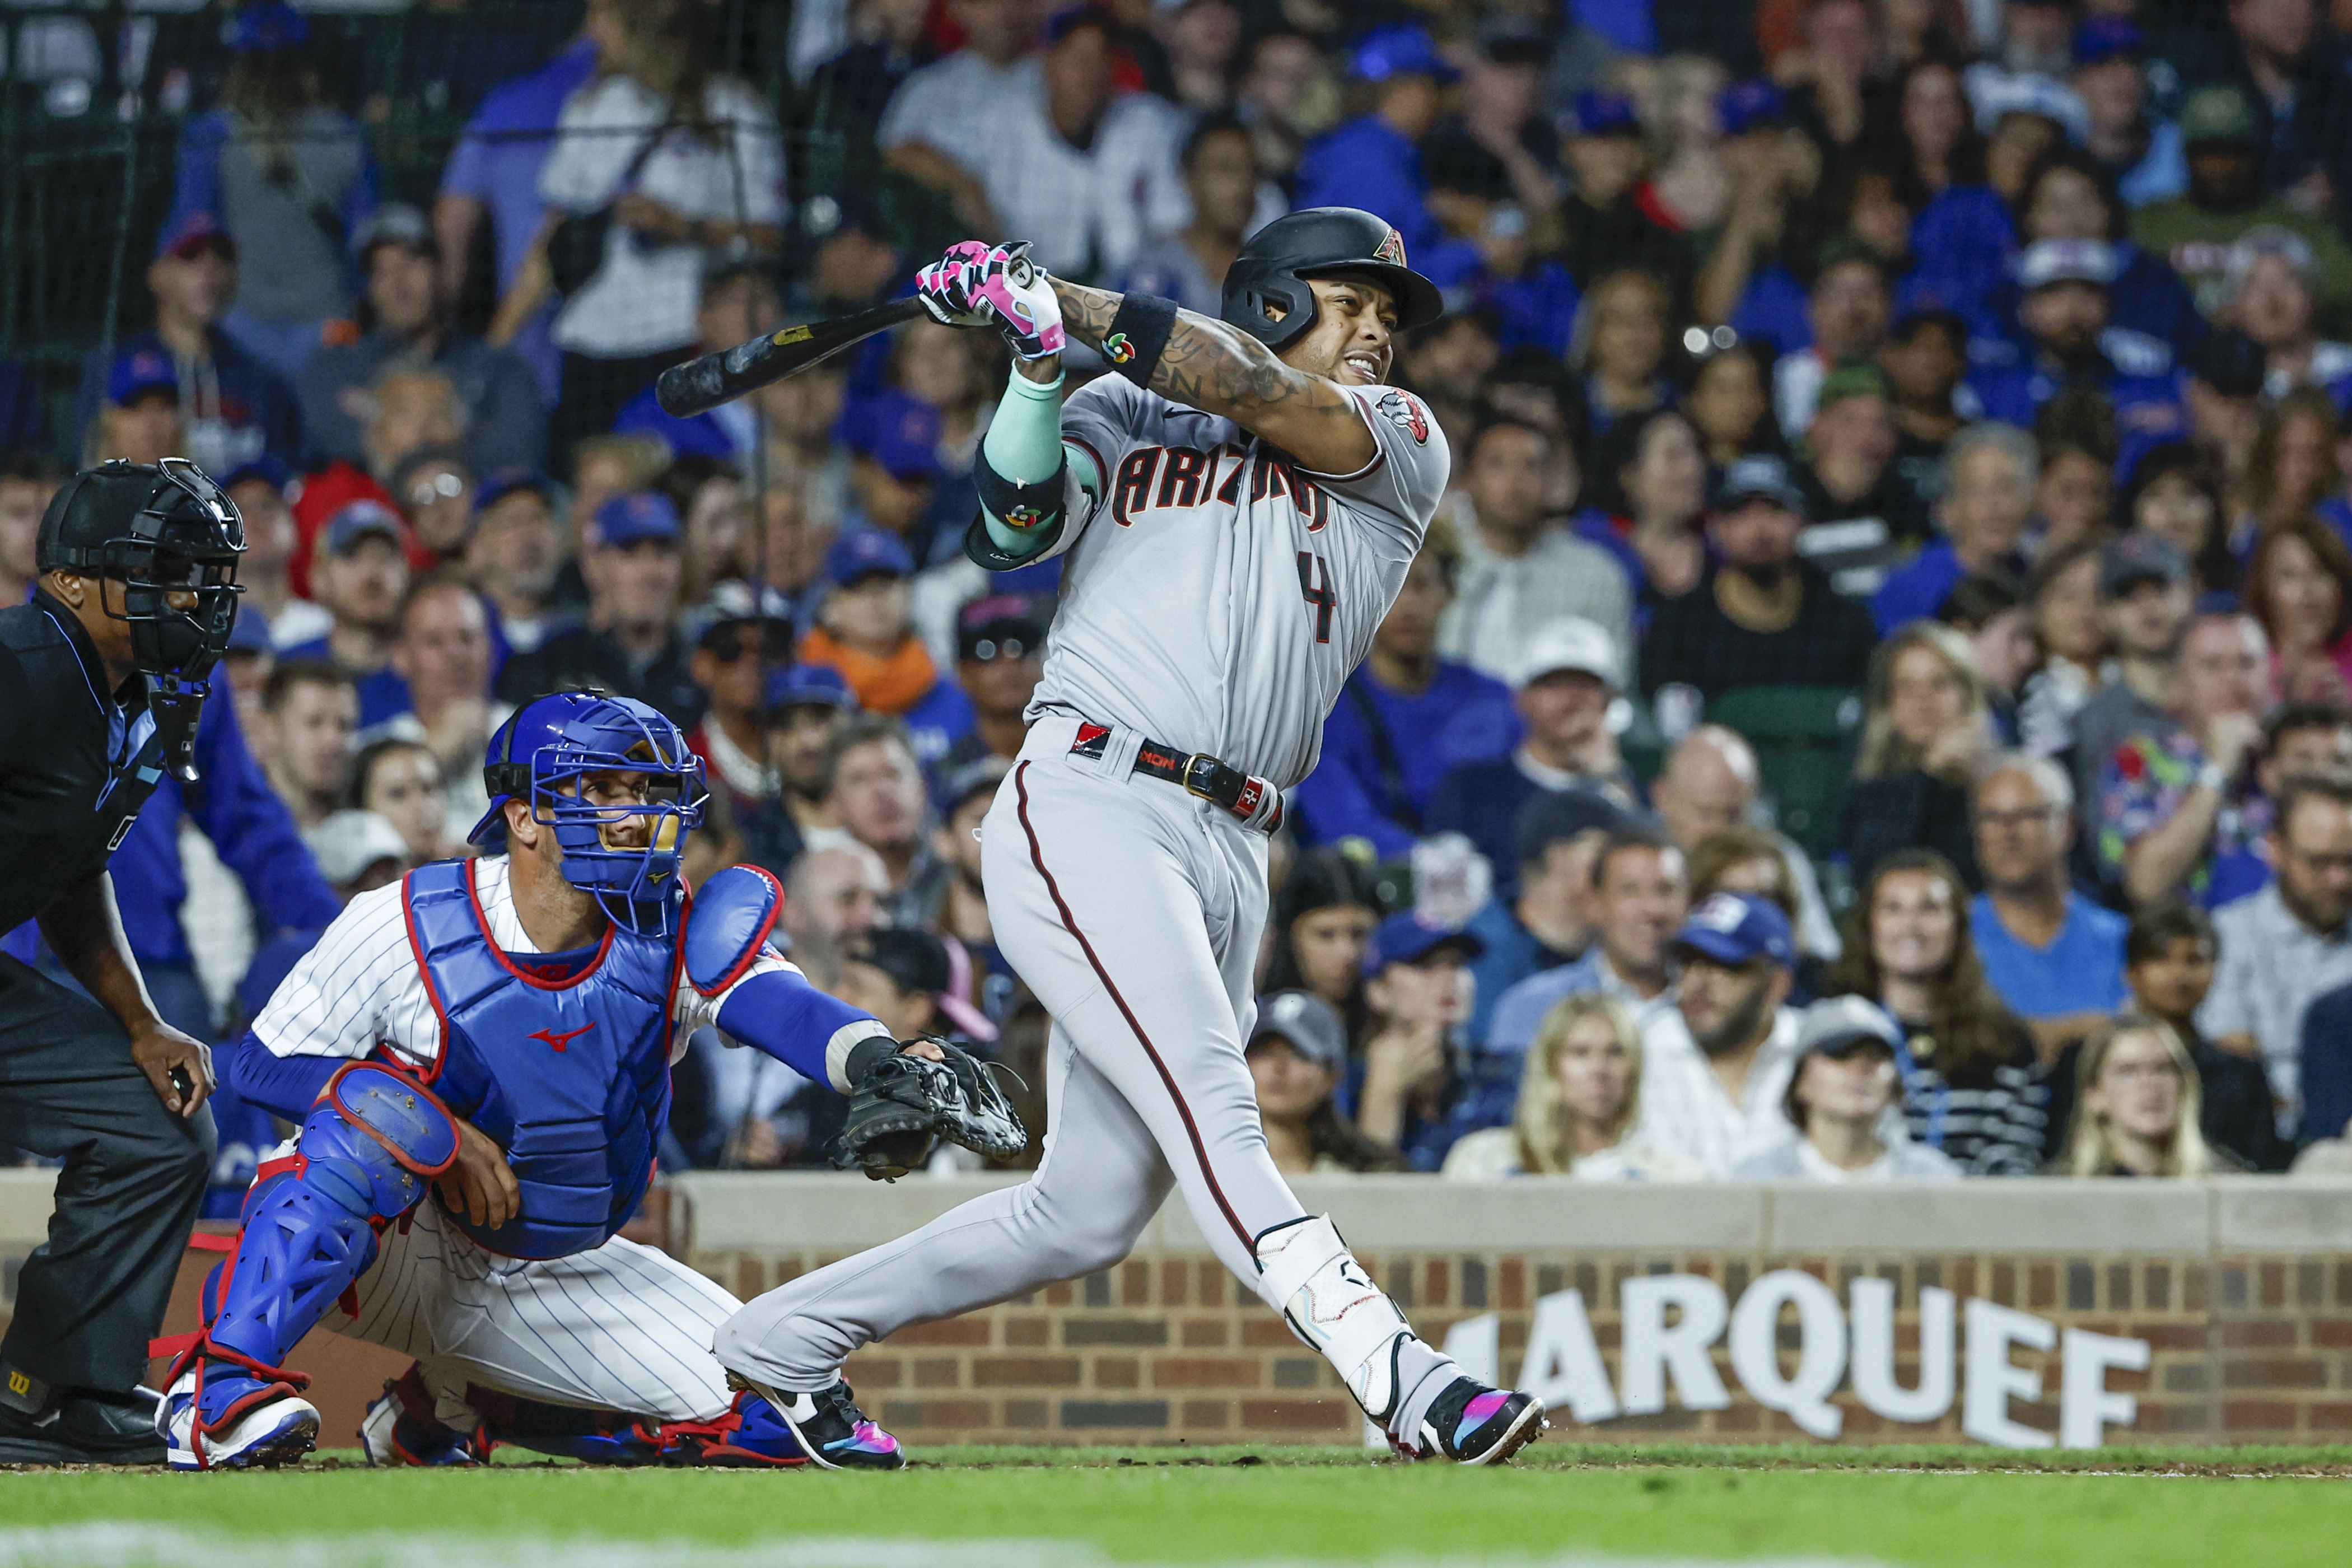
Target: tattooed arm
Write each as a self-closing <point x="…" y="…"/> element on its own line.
<point x="1220" y="369"/>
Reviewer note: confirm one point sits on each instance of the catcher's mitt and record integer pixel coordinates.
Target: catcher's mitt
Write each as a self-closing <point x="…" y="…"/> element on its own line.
<point x="898" y="1103"/>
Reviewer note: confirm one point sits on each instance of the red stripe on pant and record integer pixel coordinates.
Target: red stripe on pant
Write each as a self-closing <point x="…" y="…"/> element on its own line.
<point x="1070" y="924"/>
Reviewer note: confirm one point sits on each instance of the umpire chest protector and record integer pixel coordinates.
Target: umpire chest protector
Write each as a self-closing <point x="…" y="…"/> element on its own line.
<point x="570" y="1076"/>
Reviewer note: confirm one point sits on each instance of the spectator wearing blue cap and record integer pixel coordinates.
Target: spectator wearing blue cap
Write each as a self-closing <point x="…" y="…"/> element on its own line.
<point x="864" y="632"/>
<point x="361" y="577"/>
<point x="27" y="480"/>
<point x="1404" y="716"/>
<point x="1375" y="163"/>
<point x="517" y="554"/>
<point x="737" y="303"/>
<point x="404" y="315"/>
<point x="281" y="616"/>
<point x="805" y="706"/>
<point x="2140" y="150"/>
<point x="1607" y="218"/>
<point x="287" y="177"/>
<point x="631" y="643"/>
<point x="893" y="441"/>
<point x="1419" y="994"/>
<point x="1715" y="1065"/>
<point x="1638" y="892"/>
<point x="139" y="421"/>
<point x="234" y="406"/>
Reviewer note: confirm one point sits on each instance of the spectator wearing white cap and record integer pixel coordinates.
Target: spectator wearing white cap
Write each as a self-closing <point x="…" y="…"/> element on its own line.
<point x="1567" y="692"/>
<point x="1838" y="1100"/>
<point x="357" y="851"/>
<point x="1296" y="1059"/>
<point x="1521" y="568"/>
<point x="1579" y="1096"/>
<point x="2071" y="341"/>
<point x="1715" y="1065"/>
<point x="2269" y="293"/>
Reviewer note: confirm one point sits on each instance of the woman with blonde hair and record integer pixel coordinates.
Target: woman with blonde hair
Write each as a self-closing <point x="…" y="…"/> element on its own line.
<point x="1927" y="725"/>
<point x="1579" y="1093"/>
<point x="2137" y="1106"/>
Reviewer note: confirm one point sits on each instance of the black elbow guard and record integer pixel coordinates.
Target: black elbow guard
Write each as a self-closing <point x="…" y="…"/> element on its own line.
<point x="1019" y="506"/>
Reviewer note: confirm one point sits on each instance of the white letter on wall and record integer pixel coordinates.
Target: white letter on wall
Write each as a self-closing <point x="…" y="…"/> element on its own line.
<point x="1873" y="1354"/>
<point x="1563" y="1365"/>
<point x="1821" y="1356"/>
<point x="2085" y="1406"/>
<point x="1652" y="1350"/>
<point x="1476" y="1346"/>
<point x="1993" y="1379"/>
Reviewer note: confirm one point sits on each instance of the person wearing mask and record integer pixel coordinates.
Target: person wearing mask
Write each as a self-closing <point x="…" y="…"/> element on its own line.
<point x="865" y="632"/>
<point x="1838" y="1098"/>
<point x="1405" y="718"/>
<point x="1418" y="998"/>
<point x="2145" y="606"/>
<point x="1641" y="893"/>
<point x="630" y="643"/>
<point x="1971" y="1086"/>
<point x="1541" y="917"/>
<point x="1989" y="473"/>
<point x="405" y="317"/>
<point x="1374" y="162"/>
<point x="312" y="713"/>
<point x="1219" y="162"/>
<point x="2289" y="942"/>
<point x="515" y="554"/>
<point x="2056" y="958"/>
<point x="1865" y="519"/>
<point x="874" y="789"/>
<point x="917" y="132"/>
<point x="1716" y="1063"/>
<point x="1761" y="615"/>
<point x="1519" y="570"/>
<point x="1323" y="917"/>
<point x="2136" y="1107"/>
<point x="1925" y="727"/>
<point x="1579" y="1097"/>
<point x="1297" y="1057"/>
<point x="2180" y="809"/>
<point x="1566" y="693"/>
<point x="806" y="706"/>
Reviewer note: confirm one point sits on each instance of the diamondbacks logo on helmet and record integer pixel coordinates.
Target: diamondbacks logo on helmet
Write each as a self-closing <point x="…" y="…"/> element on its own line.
<point x="1391" y="250"/>
<point x="1403" y="410"/>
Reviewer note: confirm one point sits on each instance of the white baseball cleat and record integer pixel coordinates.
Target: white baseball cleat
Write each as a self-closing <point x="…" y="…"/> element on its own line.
<point x="259" y="1424"/>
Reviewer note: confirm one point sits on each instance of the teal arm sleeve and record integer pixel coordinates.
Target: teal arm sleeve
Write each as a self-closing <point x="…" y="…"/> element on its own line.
<point x="1024" y="443"/>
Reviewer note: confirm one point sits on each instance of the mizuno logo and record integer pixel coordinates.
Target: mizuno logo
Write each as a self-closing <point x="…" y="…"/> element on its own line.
<point x="563" y="1039"/>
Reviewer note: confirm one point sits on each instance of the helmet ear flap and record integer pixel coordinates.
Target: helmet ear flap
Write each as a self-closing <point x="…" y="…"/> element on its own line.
<point x="1290" y="293"/>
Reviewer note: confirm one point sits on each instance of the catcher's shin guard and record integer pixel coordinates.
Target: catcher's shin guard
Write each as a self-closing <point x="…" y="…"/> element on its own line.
<point x="1307" y="1274"/>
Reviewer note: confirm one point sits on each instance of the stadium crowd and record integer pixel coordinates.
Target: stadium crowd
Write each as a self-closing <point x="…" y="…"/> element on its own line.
<point x="1877" y="703"/>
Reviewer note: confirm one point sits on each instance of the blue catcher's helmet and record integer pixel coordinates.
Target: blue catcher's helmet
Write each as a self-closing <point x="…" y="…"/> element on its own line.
<point x="543" y="753"/>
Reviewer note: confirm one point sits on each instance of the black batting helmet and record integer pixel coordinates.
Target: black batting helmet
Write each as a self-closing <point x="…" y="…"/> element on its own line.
<point x="1320" y="242"/>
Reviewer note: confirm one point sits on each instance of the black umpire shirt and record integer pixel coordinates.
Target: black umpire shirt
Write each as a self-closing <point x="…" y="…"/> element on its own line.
<point x="74" y="765"/>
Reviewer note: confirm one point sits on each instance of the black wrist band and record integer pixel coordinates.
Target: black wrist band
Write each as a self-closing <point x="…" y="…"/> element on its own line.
<point x="1138" y="330"/>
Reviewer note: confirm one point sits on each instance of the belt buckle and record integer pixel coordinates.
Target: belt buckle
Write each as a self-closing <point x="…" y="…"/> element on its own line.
<point x="1204" y="763"/>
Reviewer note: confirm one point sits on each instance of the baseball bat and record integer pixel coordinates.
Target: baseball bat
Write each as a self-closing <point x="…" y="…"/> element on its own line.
<point x="703" y="384"/>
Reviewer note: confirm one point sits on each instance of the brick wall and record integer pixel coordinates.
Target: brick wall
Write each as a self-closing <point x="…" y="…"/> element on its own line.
<point x="1165" y="1347"/>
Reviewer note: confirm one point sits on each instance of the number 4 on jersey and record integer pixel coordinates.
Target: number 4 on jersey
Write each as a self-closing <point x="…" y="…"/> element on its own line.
<point x="1315" y="582"/>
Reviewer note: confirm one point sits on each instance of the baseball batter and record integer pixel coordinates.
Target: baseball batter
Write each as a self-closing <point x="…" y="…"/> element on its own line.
<point x="1239" y="506"/>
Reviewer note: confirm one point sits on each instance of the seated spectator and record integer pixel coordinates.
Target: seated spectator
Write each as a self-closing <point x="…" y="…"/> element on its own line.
<point x="2067" y="198"/>
<point x="2135" y="1109"/>
<point x="1761" y="615"/>
<point x="2180" y="810"/>
<point x="436" y="486"/>
<point x="139" y="421"/>
<point x="1541" y="915"/>
<point x="27" y="480"/>
<point x="2071" y="342"/>
<point x="1716" y="1064"/>
<point x="400" y="781"/>
<point x="1324" y="915"/>
<point x="2054" y="956"/>
<point x="919" y="133"/>
<point x="1219" y="164"/>
<point x="833" y="899"/>
<point x="1297" y="1059"/>
<point x="2169" y="960"/>
<point x="1992" y="614"/>
<point x="360" y="578"/>
<point x="736" y="302"/>
<point x="906" y="978"/>
<point x="1865" y="519"/>
<point x="873" y="788"/>
<point x="1403" y="719"/>
<point x="2140" y="152"/>
<point x="1988" y="477"/>
<point x="2143" y="608"/>
<point x="1000" y="659"/>
<point x="311" y="712"/>
<point x="1579" y="1096"/>
<point x="2290" y="941"/>
<point x="2175" y="493"/>
<point x="516" y="553"/>
<point x="864" y="633"/>
<point x="1925" y="727"/>
<point x="1838" y="1098"/>
<point x="629" y="643"/>
<point x="1519" y="570"/>
<point x="1749" y="860"/>
<point x="1417" y="999"/>
<point x="2074" y="498"/>
<point x="410" y="410"/>
<point x="806" y="706"/>
<point x="1710" y="784"/>
<point x="732" y="664"/>
<point x="1847" y="311"/>
<point x="404" y="317"/>
<point x="1610" y="225"/>
<point x="1971" y="1088"/>
<point x="2299" y="587"/>
<point x="441" y="657"/>
<point x="234" y="407"/>
<point x="964" y="801"/>
<point x="714" y="514"/>
<point x="357" y="852"/>
<point x="1926" y="361"/>
<point x="2291" y="469"/>
<point x="1621" y="345"/>
<point x="1565" y="696"/>
<point x="2064" y="597"/>
<point x="2268" y="294"/>
<point x="895" y="475"/>
<point x="1729" y="404"/>
<point x="1641" y="893"/>
<point x="1652" y="524"/>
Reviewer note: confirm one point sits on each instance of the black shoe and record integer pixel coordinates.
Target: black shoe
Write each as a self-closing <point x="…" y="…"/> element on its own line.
<point x="829" y="1426"/>
<point x="1472" y="1423"/>
<point x="89" y="1426"/>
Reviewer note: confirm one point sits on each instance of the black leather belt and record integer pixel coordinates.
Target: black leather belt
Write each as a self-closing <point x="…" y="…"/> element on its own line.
<point x="1239" y="793"/>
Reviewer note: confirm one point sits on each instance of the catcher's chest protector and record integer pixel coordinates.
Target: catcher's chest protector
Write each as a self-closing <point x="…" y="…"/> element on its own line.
<point x="571" y="1077"/>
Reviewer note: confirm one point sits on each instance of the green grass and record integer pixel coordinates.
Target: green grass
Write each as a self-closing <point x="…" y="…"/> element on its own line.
<point x="1184" y="1506"/>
